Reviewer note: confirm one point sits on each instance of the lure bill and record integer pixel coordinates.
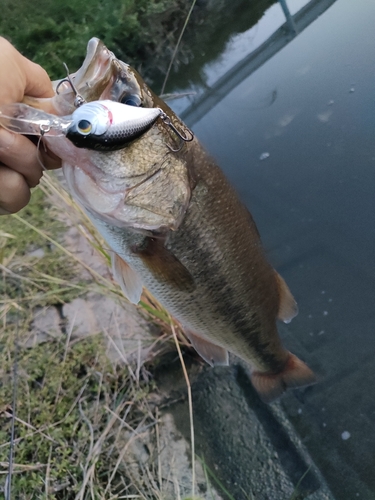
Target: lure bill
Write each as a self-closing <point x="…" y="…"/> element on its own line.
<point x="20" y="118"/>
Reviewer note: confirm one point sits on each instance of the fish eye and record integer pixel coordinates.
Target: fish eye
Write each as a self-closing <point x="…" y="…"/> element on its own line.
<point x="84" y="126"/>
<point x="131" y="100"/>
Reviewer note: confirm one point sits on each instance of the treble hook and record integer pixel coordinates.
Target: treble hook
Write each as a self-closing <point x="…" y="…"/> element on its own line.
<point x="183" y="138"/>
<point x="79" y="100"/>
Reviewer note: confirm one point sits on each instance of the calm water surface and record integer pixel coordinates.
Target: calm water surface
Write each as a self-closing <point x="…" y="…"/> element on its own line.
<point x="308" y="110"/>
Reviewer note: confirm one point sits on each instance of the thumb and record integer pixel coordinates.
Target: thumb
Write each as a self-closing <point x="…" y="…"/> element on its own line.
<point x="45" y="104"/>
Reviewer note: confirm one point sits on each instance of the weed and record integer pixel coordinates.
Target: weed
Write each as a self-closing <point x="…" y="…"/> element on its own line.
<point x="70" y="403"/>
<point x="73" y="407"/>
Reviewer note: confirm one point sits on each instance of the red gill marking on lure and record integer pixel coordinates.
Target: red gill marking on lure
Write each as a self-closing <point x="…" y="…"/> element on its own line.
<point x="110" y="115"/>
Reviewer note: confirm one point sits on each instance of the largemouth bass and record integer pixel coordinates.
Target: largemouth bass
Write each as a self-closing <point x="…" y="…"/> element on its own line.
<point x="177" y="227"/>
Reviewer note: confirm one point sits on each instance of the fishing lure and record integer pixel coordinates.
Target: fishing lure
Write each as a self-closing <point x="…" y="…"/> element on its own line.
<point x="100" y="125"/>
<point x="109" y="125"/>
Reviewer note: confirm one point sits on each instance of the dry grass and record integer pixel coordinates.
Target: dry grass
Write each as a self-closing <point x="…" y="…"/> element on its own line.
<point x="76" y="417"/>
<point x="69" y="419"/>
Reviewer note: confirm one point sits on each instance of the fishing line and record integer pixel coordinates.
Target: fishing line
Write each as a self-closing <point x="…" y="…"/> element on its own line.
<point x="8" y="480"/>
<point x="38" y="154"/>
<point x="177" y="45"/>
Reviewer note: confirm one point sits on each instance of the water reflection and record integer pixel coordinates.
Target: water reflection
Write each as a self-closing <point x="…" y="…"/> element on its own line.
<point x="254" y="59"/>
<point x="305" y="104"/>
<point x="289" y="18"/>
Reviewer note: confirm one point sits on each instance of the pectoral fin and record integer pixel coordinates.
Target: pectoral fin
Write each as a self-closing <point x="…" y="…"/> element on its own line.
<point x="164" y="265"/>
<point x="127" y="278"/>
<point x="288" y="306"/>
<point x="213" y="354"/>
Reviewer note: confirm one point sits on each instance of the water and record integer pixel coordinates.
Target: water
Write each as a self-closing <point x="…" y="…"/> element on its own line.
<point x="293" y="129"/>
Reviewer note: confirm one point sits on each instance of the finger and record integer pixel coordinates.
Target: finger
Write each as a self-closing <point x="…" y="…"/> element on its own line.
<point x="48" y="105"/>
<point x="21" y="76"/>
<point x="14" y="191"/>
<point x="49" y="160"/>
<point x="20" y="154"/>
<point x="38" y="83"/>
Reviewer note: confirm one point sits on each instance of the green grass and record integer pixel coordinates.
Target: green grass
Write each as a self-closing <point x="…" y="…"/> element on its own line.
<point x="53" y="32"/>
<point x="70" y="407"/>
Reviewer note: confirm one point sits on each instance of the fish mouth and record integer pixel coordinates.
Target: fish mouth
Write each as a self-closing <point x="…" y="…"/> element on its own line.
<point x="97" y="65"/>
<point x="102" y="76"/>
<point x="98" y="72"/>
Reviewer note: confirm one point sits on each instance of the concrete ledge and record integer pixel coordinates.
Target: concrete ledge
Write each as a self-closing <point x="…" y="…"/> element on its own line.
<point x="251" y="447"/>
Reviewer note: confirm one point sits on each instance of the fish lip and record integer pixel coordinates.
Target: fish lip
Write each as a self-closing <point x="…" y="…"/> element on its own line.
<point x="101" y="76"/>
<point x="96" y="52"/>
<point x="96" y="67"/>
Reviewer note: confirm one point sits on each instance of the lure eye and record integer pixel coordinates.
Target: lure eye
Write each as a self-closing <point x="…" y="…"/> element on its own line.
<point x="84" y="126"/>
<point x="131" y="100"/>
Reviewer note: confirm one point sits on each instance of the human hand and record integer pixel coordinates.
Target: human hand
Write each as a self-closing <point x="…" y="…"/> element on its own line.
<point x="20" y="169"/>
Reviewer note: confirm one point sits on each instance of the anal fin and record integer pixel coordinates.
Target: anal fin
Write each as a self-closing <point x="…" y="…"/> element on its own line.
<point x="288" y="306"/>
<point x="213" y="354"/>
<point x="127" y="278"/>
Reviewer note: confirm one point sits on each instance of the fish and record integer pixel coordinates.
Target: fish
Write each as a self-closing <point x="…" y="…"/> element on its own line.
<point x="176" y="226"/>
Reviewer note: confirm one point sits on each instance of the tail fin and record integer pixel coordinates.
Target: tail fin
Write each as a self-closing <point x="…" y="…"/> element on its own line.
<point x="271" y="385"/>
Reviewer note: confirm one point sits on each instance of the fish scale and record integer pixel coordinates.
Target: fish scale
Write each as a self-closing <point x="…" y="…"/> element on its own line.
<point x="181" y="231"/>
<point x="230" y="305"/>
<point x="231" y="301"/>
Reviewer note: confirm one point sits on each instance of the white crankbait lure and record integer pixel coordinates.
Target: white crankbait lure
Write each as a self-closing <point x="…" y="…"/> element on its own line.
<point x="109" y="125"/>
<point x="99" y="125"/>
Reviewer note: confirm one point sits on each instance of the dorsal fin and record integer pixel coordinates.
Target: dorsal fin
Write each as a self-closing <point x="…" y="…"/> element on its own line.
<point x="127" y="278"/>
<point x="212" y="353"/>
<point x="288" y="306"/>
